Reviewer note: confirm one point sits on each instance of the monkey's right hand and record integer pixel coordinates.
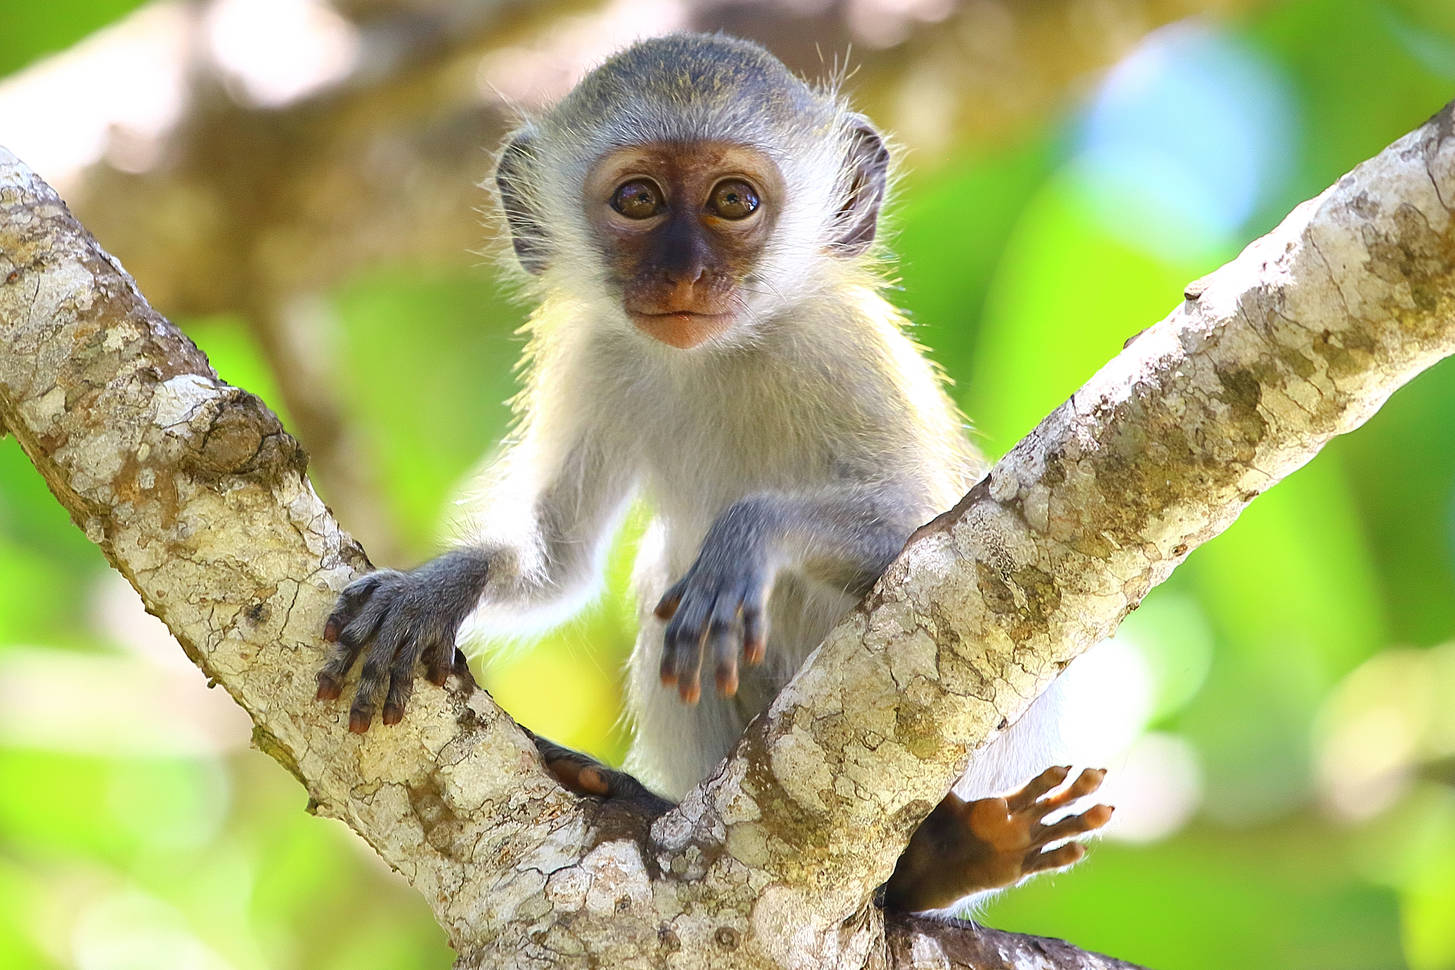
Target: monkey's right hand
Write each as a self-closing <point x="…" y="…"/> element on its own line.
<point x="719" y="608"/>
<point x="400" y="618"/>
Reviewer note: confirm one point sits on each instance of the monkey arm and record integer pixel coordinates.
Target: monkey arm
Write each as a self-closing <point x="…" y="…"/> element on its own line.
<point x="543" y="547"/>
<point x="844" y="537"/>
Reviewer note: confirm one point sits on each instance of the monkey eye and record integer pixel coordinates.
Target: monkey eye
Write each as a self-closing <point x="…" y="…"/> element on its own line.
<point x="733" y="199"/>
<point x="637" y="199"/>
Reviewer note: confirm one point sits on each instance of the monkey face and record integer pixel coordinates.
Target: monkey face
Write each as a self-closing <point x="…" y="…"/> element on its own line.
<point x="681" y="227"/>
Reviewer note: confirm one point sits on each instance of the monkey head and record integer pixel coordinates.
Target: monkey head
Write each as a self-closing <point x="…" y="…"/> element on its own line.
<point x="691" y="188"/>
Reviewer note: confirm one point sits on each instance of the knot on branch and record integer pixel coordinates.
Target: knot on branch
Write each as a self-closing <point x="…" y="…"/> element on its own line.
<point x="236" y="435"/>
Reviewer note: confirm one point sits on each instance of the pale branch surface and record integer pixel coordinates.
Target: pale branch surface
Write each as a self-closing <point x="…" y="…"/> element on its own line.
<point x="197" y="495"/>
<point x="1300" y="338"/>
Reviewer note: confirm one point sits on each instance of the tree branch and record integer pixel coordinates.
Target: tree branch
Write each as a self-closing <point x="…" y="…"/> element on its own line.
<point x="197" y="495"/>
<point x="1300" y="338"/>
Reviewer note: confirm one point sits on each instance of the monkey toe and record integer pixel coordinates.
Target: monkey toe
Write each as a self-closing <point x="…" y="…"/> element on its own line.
<point x="963" y="847"/>
<point x="1087" y="782"/>
<point x="584" y="775"/>
<point x="439" y="662"/>
<point x="1088" y="821"/>
<point x="1046" y="781"/>
<point x="579" y="777"/>
<point x="1058" y="858"/>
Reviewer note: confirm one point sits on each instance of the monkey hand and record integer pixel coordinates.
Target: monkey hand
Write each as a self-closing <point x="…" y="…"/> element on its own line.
<point x="990" y="843"/>
<point x="721" y="606"/>
<point x="395" y="619"/>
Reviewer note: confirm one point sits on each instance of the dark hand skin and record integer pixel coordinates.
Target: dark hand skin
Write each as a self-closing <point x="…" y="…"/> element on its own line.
<point x="991" y="843"/>
<point x="720" y="607"/>
<point x="842" y="538"/>
<point x="397" y="619"/>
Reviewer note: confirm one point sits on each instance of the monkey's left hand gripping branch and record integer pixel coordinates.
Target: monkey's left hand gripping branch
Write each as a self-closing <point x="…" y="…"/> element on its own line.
<point x="198" y="496"/>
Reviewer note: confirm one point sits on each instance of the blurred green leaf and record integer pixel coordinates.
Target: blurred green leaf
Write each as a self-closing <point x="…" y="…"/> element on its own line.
<point x="426" y="369"/>
<point x="33" y="30"/>
<point x="1195" y="903"/>
<point x="1067" y="294"/>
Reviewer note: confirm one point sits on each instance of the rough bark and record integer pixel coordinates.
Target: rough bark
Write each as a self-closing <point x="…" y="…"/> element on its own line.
<point x="198" y="496"/>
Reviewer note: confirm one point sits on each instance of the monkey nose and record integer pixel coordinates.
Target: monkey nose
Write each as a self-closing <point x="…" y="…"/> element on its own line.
<point x="689" y="275"/>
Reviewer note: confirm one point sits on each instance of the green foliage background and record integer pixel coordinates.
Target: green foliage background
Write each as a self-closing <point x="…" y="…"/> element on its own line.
<point x="1024" y="270"/>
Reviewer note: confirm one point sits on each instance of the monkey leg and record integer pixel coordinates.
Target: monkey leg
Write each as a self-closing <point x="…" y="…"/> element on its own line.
<point x="584" y="775"/>
<point x="964" y="847"/>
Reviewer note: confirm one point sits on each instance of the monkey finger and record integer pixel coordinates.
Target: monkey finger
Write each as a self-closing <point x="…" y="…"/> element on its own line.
<point x="1037" y="786"/>
<point x="593" y="781"/>
<point x="689" y="667"/>
<point x="682" y="647"/>
<point x="398" y="696"/>
<point x="667" y="605"/>
<point x="724" y="634"/>
<point x="331" y="675"/>
<point x="377" y="663"/>
<point x="755" y="633"/>
<point x="350" y="643"/>
<point x="575" y="771"/>
<point x="723" y="639"/>
<point x="401" y="684"/>
<point x="689" y="681"/>
<point x="578" y="775"/>
<point x="348" y="603"/>
<point x="667" y="669"/>
<point x="359" y="631"/>
<point x="439" y="662"/>
<point x="361" y="714"/>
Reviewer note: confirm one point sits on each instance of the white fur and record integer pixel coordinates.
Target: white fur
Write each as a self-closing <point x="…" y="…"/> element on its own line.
<point x="815" y="389"/>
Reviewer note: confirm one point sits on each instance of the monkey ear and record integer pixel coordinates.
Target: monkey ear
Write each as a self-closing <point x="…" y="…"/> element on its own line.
<point x="511" y="178"/>
<point x="868" y="169"/>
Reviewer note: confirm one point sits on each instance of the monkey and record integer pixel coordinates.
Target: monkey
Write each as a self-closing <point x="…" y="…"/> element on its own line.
<point x="697" y="226"/>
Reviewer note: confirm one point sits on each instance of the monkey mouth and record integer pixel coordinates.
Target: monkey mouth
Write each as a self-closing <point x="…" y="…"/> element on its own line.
<point x="683" y="329"/>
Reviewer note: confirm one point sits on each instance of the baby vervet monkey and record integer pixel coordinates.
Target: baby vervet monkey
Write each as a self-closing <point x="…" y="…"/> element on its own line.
<point x="697" y="224"/>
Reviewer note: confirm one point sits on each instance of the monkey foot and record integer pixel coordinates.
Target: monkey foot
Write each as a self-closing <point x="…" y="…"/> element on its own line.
<point x="990" y="843"/>
<point x="584" y="775"/>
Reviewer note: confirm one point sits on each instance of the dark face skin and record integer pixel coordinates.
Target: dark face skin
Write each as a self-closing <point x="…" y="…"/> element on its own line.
<point x="681" y="227"/>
